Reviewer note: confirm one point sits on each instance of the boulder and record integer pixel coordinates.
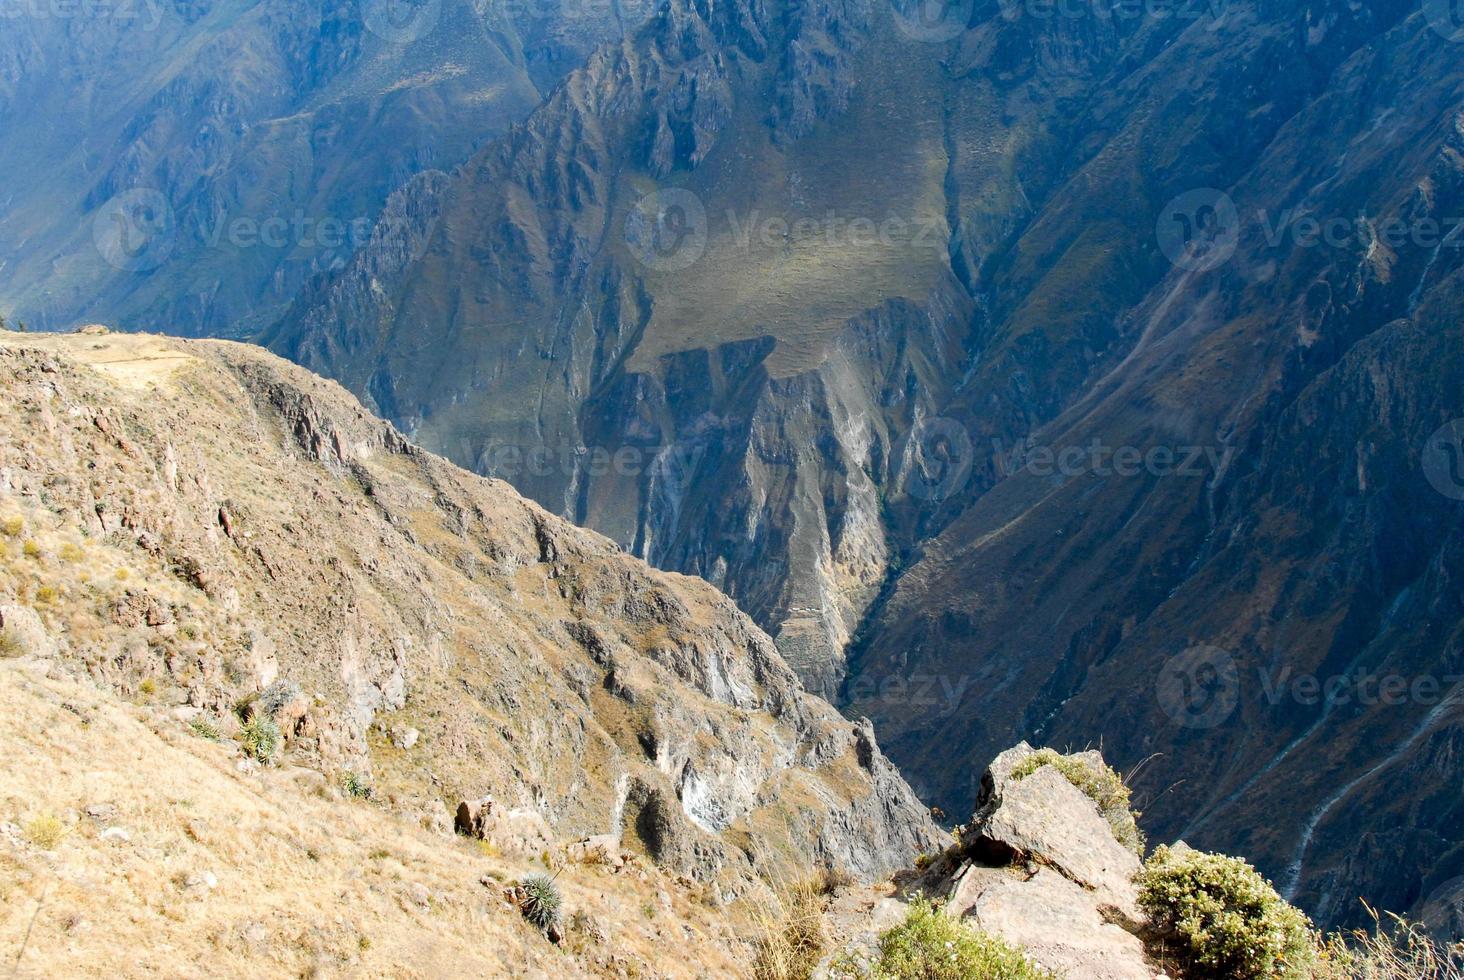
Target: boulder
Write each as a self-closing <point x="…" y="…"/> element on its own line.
<point x="1046" y="819"/>
<point x="474" y="818"/>
<point x="1056" y="920"/>
<point x="25" y="634"/>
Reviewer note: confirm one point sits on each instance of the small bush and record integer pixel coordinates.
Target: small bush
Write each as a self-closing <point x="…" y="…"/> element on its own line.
<point x="31" y="549"/>
<point x="1103" y="785"/>
<point x="542" y="904"/>
<point x="930" y="945"/>
<point x="71" y="552"/>
<point x="1227" y="920"/>
<point x="276" y="696"/>
<point x="791" y="937"/>
<point x="44" y="831"/>
<point x="355" y="786"/>
<point x="205" y="729"/>
<point x="260" y="738"/>
<point x="46" y="594"/>
<point x="12" y="527"/>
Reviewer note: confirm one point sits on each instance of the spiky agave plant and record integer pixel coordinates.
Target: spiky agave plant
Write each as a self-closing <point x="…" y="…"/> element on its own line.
<point x="542" y="904"/>
<point x="260" y="738"/>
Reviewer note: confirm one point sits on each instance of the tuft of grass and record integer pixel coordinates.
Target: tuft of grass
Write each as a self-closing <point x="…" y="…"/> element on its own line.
<point x="542" y="904"/>
<point x="1399" y="950"/>
<point x="31" y="549"/>
<point x="355" y="785"/>
<point x="791" y="940"/>
<point x="46" y="594"/>
<point x="205" y="729"/>
<point x="1224" y="920"/>
<point x="71" y="552"/>
<point x="260" y="738"/>
<point x="12" y="526"/>
<point x="44" y="830"/>
<point x="930" y="945"/>
<point x="1101" y="784"/>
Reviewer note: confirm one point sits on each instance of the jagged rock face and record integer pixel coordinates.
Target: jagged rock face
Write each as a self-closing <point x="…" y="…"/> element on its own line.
<point x="779" y="394"/>
<point x="270" y="534"/>
<point x="239" y="147"/>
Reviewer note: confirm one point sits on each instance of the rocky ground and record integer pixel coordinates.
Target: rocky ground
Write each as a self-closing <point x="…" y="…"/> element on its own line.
<point x="215" y="535"/>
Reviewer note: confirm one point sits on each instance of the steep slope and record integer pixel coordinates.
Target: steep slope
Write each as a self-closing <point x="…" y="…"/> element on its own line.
<point x="193" y="164"/>
<point x="139" y="850"/>
<point x="1276" y="621"/>
<point x="205" y="525"/>
<point x="650" y="309"/>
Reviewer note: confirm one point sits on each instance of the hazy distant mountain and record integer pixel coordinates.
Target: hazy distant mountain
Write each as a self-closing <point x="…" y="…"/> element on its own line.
<point x="190" y="165"/>
<point x="1011" y="349"/>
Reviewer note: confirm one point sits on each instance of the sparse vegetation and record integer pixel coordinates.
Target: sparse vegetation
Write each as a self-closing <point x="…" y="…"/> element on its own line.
<point x="1102" y="784"/>
<point x="46" y="594"/>
<point x="791" y="936"/>
<point x="205" y="729"/>
<point x="31" y="549"/>
<point x="355" y="786"/>
<point x="275" y="697"/>
<point x="929" y="945"/>
<point x="260" y="738"/>
<point x="542" y="904"/>
<point x="1398" y="951"/>
<point x="12" y="526"/>
<point x="71" y="552"/>
<point x="44" y="830"/>
<point x="1225" y="921"/>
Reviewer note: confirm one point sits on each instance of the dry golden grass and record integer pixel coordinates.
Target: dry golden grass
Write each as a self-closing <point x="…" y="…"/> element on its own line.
<point x="211" y="872"/>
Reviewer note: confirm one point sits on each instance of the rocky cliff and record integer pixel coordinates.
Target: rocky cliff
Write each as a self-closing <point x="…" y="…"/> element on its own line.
<point x="214" y="531"/>
<point x="1217" y="241"/>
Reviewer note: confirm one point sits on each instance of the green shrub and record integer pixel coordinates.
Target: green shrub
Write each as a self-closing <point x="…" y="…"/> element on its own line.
<point x="204" y="729"/>
<point x="355" y="786"/>
<point x="930" y="945"/>
<point x="542" y="904"/>
<point x="1102" y="785"/>
<point x="260" y="738"/>
<point x="12" y="526"/>
<point x="276" y="696"/>
<point x="1227" y="921"/>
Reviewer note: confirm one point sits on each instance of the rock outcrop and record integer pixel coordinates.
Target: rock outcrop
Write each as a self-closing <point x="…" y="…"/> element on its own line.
<point x="208" y="527"/>
<point x="1039" y="866"/>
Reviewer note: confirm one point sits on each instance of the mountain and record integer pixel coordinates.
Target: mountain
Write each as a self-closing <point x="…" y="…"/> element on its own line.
<point x="1024" y="371"/>
<point x="189" y="164"/>
<point x="206" y="529"/>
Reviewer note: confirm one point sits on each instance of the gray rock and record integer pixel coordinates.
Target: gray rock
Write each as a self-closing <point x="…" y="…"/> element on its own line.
<point x="25" y="634"/>
<point x="1056" y="921"/>
<point x="1045" y="818"/>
